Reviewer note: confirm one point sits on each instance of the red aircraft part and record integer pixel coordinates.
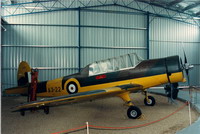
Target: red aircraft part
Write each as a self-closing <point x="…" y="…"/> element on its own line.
<point x="34" y="80"/>
<point x="101" y="77"/>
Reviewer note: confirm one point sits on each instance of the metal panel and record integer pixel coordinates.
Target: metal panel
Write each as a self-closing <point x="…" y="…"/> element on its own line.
<point x="39" y="57"/>
<point x="40" y="35"/>
<point x="113" y="19"/>
<point x="169" y="30"/>
<point x="113" y="37"/>
<point x="9" y="78"/>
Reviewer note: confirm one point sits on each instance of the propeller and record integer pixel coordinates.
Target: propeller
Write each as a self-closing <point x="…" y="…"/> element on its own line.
<point x="172" y="89"/>
<point x="187" y="67"/>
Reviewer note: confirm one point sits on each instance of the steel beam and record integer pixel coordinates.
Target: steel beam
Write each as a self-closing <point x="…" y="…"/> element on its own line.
<point x="166" y="8"/>
<point x="191" y="6"/>
<point x="79" y="39"/>
<point x="39" y="46"/>
<point x="86" y="26"/>
<point x="198" y="13"/>
<point x="175" y="2"/>
<point x="147" y="35"/>
<point x="111" y="11"/>
<point x="103" y="3"/>
<point x="159" y="15"/>
<point x="24" y="3"/>
<point x="95" y="47"/>
<point x="43" y="68"/>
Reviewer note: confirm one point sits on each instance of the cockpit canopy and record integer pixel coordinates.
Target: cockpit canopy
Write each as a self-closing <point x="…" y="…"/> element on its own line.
<point x="114" y="64"/>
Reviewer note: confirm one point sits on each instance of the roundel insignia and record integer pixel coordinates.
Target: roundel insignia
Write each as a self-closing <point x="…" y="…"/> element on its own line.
<point x="72" y="88"/>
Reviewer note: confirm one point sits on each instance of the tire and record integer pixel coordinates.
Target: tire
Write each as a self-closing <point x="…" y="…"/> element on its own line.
<point x="46" y="110"/>
<point x="152" y="101"/>
<point x="72" y="88"/>
<point x="134" y="112"/>
<point x="22" y="112"/>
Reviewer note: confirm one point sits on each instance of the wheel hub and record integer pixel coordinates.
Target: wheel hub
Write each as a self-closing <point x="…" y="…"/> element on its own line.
<point x="133" y="113"/>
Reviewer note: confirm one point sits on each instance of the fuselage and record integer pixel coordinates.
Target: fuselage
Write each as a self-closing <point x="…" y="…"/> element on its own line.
<point x="147" y="73"/>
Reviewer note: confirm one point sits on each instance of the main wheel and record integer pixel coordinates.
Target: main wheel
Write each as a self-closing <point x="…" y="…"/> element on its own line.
<point x="72" y="88"/>
<point x="46" y="110"/>
<point x="151" y="102"/>
<point x="133" y="112"/>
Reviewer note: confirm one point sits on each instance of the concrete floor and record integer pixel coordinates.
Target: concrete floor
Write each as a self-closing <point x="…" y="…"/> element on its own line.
<point x="106" y="112"/>
<point x="195" y="101"/>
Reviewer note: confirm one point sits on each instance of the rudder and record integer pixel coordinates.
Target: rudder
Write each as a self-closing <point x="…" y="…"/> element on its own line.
<point x="22" y="75"/>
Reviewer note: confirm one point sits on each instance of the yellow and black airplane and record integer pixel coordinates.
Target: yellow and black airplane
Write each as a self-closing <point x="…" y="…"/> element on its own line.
<point x="117" y="76"/>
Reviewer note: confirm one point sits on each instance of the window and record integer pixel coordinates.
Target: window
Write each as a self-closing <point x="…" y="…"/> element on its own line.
<point x="114" y="64"/>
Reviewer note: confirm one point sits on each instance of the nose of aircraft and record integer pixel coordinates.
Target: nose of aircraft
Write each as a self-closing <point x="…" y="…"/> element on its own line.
<point x="186" y="66"/>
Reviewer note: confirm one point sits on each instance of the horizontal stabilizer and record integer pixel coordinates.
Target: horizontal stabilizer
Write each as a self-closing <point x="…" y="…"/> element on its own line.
<point x="17" y="90"/>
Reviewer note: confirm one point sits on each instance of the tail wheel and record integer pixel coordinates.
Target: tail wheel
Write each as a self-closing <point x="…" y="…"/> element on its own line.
<point x="134" y="112"/>
<point x="151" y="101"/>
<point x="46" y="110"/>
<point x="72" y="88"/>
<point x="22" y="112"/>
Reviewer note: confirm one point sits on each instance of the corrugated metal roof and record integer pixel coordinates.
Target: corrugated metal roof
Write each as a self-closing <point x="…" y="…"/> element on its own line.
<point x="191" y="7"/>
<point x="185" y="6"/>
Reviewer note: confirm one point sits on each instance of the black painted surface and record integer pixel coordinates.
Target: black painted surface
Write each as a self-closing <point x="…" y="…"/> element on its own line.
<point x="41" y="87"/>
<point x="144" y="69"/>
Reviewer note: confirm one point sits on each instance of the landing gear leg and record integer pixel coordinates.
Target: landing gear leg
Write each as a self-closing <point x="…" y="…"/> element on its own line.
<point x="133" y="112"/>
<point x="149" y="100"/>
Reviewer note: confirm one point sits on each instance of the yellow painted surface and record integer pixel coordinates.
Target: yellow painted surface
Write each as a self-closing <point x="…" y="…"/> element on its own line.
<point x="54" y="88"/>
<point x="146" y="82"/>
<point x="108" y="92"/>
<point x="23" y="67"/>
<point x="17" y="90"/>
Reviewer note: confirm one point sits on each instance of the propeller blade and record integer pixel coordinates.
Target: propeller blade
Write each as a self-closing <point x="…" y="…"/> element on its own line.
<point x="185" y="57"/>
<point x="187" y="67"/>
<point x="181" y="62"/>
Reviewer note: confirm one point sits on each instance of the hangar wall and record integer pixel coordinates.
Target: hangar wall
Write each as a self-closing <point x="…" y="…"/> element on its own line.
<point x="48" y="41"/>
<point x="61" y="42"/>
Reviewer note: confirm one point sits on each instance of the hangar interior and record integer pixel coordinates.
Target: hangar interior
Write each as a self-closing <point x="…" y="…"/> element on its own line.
<point x="59" y="37"/>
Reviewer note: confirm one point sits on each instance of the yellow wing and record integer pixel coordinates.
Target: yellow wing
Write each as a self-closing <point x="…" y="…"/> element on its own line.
<point x="83" y="96"/>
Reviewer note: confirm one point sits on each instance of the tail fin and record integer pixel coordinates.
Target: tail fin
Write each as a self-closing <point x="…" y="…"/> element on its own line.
<point x="22" y="75"/>
<point x="22" y="80"/>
